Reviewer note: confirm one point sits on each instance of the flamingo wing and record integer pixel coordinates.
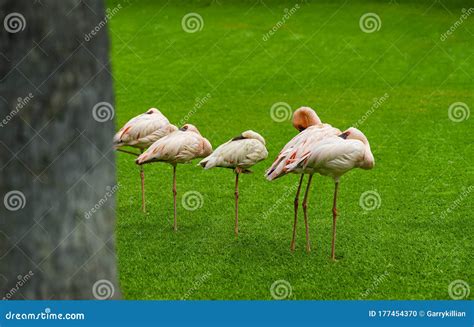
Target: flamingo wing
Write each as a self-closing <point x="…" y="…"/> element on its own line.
<point x="298" y="148"/>
<point x="177" y="147"/>
<point x="143" y="130"/>
<point x="332" y="156"/>
<point x="236" y="153"/>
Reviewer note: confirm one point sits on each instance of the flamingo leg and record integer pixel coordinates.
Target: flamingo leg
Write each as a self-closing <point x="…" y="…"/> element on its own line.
<point x="142" y="177"/>
<point x="236" y="227"/>
<point x="175" y="224"/>
<point x="292" y="246"/>
<point x="334" y="218"/>
<point x="129" y="152"/>
<point x="305" y="211"/>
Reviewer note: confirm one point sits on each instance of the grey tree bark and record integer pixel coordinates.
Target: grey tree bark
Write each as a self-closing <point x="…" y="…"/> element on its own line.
<point x="57" y="177"/>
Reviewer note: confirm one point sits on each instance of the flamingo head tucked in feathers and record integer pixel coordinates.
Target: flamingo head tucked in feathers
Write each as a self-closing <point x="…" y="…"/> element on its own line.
<point x="355" y="134"/>
<point x="250" y="135"/>
<point x="152" y="111"/>
<point x="189" y="128"/>
<point x="305" y="117"/>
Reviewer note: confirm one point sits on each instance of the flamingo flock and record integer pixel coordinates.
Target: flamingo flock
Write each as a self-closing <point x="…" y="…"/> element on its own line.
<point x="320" y="148"/>
<point x="317" y="148"/>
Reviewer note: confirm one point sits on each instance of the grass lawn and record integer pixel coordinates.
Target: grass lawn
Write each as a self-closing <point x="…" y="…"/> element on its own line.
<point x="419" y="237"/>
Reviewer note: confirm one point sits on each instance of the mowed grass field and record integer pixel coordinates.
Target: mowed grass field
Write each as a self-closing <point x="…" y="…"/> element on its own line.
<point x="418" y="238"/>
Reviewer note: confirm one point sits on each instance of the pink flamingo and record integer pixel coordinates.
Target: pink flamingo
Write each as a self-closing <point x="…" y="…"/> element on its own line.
<point x="334" y="156"/>
<point x="181" y="146"/>
<point x="239" y="153"/>
<point x="140" y="132"/>
<point x="312" y="130"/>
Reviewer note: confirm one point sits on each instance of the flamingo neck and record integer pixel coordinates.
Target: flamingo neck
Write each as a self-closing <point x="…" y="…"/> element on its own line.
<point x="369" y="160"/>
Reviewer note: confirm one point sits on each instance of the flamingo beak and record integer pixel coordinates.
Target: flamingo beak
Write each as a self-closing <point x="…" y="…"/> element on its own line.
<point x="344" y="135"/>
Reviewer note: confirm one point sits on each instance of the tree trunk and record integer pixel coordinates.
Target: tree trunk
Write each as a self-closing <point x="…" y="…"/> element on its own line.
<point x="57" y="167"/>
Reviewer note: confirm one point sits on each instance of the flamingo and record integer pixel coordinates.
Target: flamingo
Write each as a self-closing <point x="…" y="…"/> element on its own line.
<point x="239" y="154"/>
<point x="181" y="146"/>
<point x="312" y="130"/>
<point x="333" y="156"/>
<point x="140" y="132"/>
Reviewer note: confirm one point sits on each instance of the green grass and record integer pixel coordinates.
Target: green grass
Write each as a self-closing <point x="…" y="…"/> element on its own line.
<point x="320" y="58"/>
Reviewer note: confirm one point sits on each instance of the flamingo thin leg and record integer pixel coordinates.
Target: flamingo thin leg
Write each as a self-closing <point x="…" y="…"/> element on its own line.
<point x="236" y="227"/>
<point x="142" y="177"/>
<point x="292" y="246"/>
<point x="175" y="225"/>
<point x="129" y="152"/>
<point x="305" y="210"/>
<point x="334" y="218"/>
